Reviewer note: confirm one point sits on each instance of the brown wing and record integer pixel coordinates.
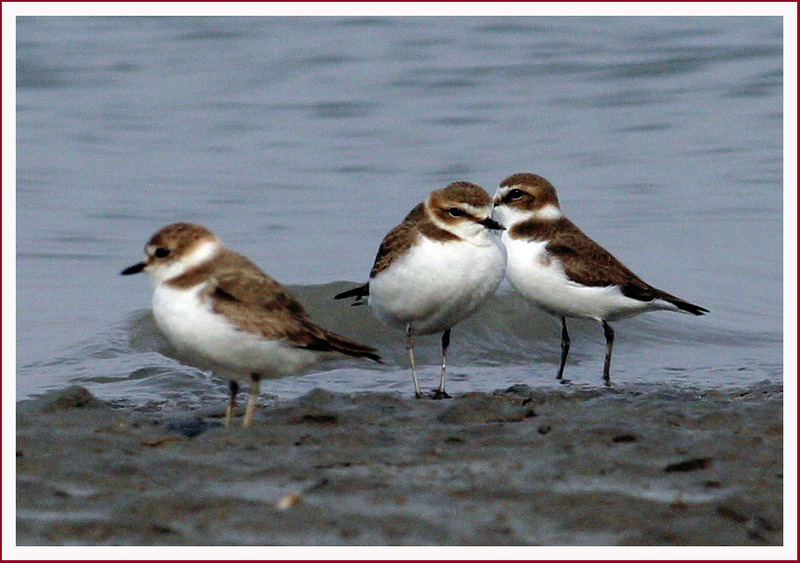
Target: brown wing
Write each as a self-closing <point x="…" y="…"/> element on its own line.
<point x="258" y="304"/>
<point x="607" y="270"/>
<point x="398" y="240"/>
<point x="585" y="261"/>
<point x="588" y="263"/>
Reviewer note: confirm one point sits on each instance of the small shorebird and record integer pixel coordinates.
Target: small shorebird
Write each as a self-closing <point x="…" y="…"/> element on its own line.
<point x="436" y="268"/>
<point x="222" y="313"/>
<point x="556" y="266"/>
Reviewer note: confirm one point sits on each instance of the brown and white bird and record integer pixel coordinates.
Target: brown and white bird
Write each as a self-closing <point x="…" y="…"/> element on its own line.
<point x="436" y="268"/>
<point x="557" y="267"/>
<point x="222" y="313"/>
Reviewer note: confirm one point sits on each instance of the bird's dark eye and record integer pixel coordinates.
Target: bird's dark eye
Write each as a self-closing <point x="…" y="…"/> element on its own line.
<point x="515" y="194"/>
<point x="456" y="212"/>
<point x="161" y="252"/>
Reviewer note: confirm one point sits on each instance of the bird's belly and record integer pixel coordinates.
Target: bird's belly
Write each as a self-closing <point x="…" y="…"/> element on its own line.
<point x="208" y="340"/>
<point x="436" y="285"/>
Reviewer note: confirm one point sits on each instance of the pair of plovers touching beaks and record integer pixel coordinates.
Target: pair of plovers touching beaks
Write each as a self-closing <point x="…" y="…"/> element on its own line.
<point x="436" y="268"/>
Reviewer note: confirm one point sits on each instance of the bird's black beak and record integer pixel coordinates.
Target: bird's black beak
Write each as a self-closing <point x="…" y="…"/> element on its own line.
<point x="490" y="223"/>
<point x="135" y="269"/>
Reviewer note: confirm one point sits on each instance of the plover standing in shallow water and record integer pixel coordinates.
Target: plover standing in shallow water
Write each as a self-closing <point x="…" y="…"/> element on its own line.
<point x="557" y="267"/>
<point x="436" y="268"/>
<point x="222" y="313"/>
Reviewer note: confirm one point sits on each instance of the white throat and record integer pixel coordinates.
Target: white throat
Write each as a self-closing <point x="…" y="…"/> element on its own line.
<point x="509" y="216"/>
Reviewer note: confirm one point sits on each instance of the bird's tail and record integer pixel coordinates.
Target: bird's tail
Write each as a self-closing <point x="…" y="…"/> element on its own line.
<point x="637" y="289"/>
<point x="349" y="347"/>
<point x="684" y="306"/>
<point x="360" y="293"/>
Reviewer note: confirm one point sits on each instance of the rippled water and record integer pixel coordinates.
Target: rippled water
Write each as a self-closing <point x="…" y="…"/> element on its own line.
<point x="302" y="141"/>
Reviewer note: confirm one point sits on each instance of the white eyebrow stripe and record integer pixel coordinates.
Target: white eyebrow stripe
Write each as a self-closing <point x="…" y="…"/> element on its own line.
<point x="480" y="212"/>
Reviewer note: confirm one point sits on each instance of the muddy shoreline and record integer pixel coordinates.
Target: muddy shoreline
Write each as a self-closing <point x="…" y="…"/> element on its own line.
<point x="645" y="465"/>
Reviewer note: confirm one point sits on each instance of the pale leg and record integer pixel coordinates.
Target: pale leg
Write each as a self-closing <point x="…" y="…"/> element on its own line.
<point x="410" y="348"/>
<point x="252" y="399"/>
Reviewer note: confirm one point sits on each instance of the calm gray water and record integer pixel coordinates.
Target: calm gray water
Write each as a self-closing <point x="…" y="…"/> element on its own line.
<point x="302" y="141"/>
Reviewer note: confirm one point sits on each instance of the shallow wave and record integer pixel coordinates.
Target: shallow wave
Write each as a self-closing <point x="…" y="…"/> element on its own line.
<point x="506" y="342"/>
<point x="507" y="328"/>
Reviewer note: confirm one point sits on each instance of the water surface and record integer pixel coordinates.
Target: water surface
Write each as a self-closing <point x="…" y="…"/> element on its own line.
<point x="302" y="141"/>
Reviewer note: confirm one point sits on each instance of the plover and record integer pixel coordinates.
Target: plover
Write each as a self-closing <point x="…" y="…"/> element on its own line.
<point x="556" y="266"/>
<point x="436" y="268"/>
<point x="222" y="313"/>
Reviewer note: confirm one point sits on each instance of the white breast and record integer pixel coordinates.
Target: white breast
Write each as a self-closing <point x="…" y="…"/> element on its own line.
<point x="437" y="284"/>
<point x="208" y="340"/>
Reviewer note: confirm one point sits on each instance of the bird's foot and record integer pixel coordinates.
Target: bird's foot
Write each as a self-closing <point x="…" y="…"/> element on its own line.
<point x="440" y="394"/>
